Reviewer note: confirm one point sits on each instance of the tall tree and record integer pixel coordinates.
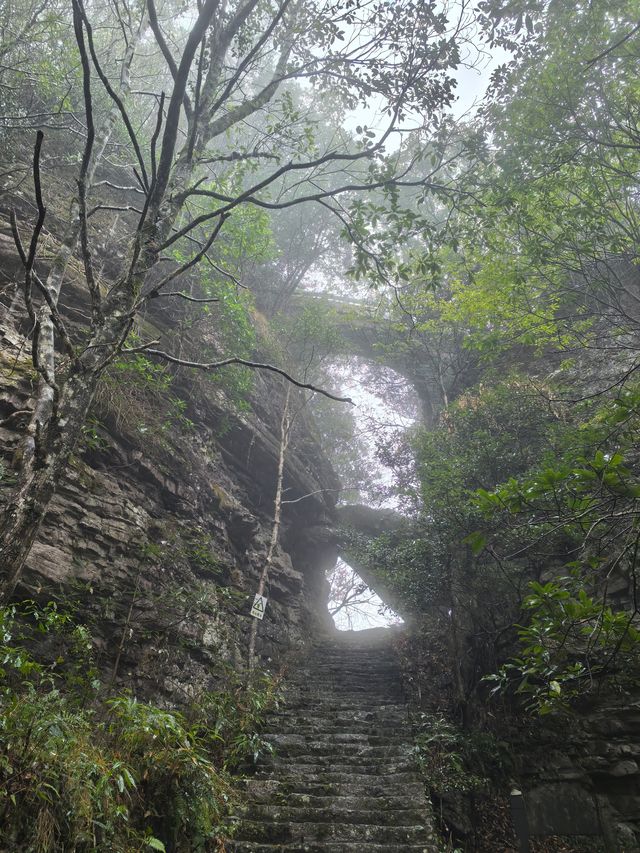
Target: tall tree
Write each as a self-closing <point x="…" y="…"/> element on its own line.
<point x="560" y="217"/>
<point x="225" y="63"/>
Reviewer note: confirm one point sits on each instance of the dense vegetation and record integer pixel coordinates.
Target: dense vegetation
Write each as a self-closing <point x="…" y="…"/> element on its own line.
<point x="85" y="769"/>
<point x="526" y="477"/>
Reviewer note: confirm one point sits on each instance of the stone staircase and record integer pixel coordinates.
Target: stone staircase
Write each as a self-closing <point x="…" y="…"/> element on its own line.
<point x="342" y="777"/>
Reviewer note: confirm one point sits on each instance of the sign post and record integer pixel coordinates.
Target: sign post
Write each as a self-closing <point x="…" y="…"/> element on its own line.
<point x="519" y="818"/>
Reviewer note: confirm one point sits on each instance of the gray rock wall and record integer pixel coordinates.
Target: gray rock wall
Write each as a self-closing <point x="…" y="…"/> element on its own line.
<point x="158" y="538"/>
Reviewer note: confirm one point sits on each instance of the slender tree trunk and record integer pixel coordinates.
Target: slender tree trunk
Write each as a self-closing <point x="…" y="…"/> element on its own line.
<point x="44" y="397"/>
<point x="455" y="645"/>
<point x="285" y="429"/>
<point x="56" y="424"/>
<point x="55" y="438"/>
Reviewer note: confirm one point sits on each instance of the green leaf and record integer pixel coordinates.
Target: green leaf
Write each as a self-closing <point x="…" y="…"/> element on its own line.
<point x="156" y="844"/>
<point x="476" y="541"/>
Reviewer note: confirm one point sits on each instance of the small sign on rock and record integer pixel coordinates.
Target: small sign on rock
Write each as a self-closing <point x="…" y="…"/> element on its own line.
<point x="258" y="606"/>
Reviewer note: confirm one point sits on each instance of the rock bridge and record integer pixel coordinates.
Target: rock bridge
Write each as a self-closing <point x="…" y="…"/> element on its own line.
<point x="436" y="364"/>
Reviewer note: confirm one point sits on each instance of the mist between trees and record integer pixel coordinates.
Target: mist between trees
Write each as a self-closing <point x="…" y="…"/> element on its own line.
<point x="229" y="188"/>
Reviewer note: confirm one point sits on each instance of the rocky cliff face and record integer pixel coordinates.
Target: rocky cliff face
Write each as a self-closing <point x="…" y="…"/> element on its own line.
<point x="160" y="530"/>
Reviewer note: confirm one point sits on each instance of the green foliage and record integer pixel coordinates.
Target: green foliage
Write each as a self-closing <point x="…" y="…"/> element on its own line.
<point x="83" y="772"/>
<point x="570" y="639"/>
<point x="233" y="717"/>
<point x="184" y="793"/>
<point x="452" y="760"/>
<point x="558" y="209"/>
<point x="226" y="325"/>
<point x="70" y="649"/>
<point x="405" y="564"/>
<point x="546" y="547"/>
<point x="137" y="395"/>
<point x="492" y="432"/>
<point x="313" y="339"/>
<point x="557" y="235"/>
<point x="582" y="513"/>
<point x="486" y="434"/>
<point x="312" y="334"/>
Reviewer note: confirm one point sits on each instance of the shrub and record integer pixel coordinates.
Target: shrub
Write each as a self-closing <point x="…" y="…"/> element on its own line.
<point x="81" y="772"/>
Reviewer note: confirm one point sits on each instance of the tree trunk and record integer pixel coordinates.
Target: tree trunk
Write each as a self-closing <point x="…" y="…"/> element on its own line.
<point x="25" y="513"/>
<point x="56" y="427"/>
<point x="285" y="428"/>
<point x="43" y="468"/>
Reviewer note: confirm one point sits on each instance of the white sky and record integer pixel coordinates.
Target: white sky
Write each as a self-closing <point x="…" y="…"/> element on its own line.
<point x="371" y="411"/>
<point x="366" y="615"/>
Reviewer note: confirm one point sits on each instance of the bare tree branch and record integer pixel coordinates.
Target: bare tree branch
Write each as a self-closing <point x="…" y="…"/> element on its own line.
<point x="255" y="365"/>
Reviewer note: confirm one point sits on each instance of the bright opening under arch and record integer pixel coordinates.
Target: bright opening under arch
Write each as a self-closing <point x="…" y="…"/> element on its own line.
<point x="353" y="605"/>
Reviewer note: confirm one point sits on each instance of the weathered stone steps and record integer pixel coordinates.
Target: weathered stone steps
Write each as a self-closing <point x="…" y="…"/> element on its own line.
<point x="317" y="707"/>
<point x="328" y="747"/>
<point x="299" y="735"/>
<point x="338" y="782"/>
<point x="350" y="722"/>
<point x="379" y="814"/>
<point x="342" y="732"/>
<point x="342" y="777"/>
<point x="317" y="766"/>
<point x="347" y="802"/>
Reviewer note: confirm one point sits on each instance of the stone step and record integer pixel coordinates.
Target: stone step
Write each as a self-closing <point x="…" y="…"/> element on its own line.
<point x="283" y="833"/>
<point x="342" y="777"/>
<point x="388" y="714"/>
<point x="334" y="812"/>
<point x="309" y="764"/>
<point x="339" y="729"/>
<point x="329" y="694"/>
<point x="342" y="722"/>
<point x="303" y="773"/>
<point x="336" y="847"/>
<point x="331" y="781"/>
<point x="298" y="735"/>
<point x="340" y="800"/>
<point x="344" y="675"/>
<point x="342" y="660"/>
<point x="343" y="732"/>
<point x="340" y="718"/>
<point x="363" y="671"/>
<point x="295" y="745"/>
<point x="328" y="704"/>
<point x="359" y="665"/>
<point x="364" y="681"/>
<point x="364" y="786"/>
<point x="380" y="692"/>
<point x="353" y="641"/>
<point x="332" y="700"/>
<point x="335" y="666"/>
